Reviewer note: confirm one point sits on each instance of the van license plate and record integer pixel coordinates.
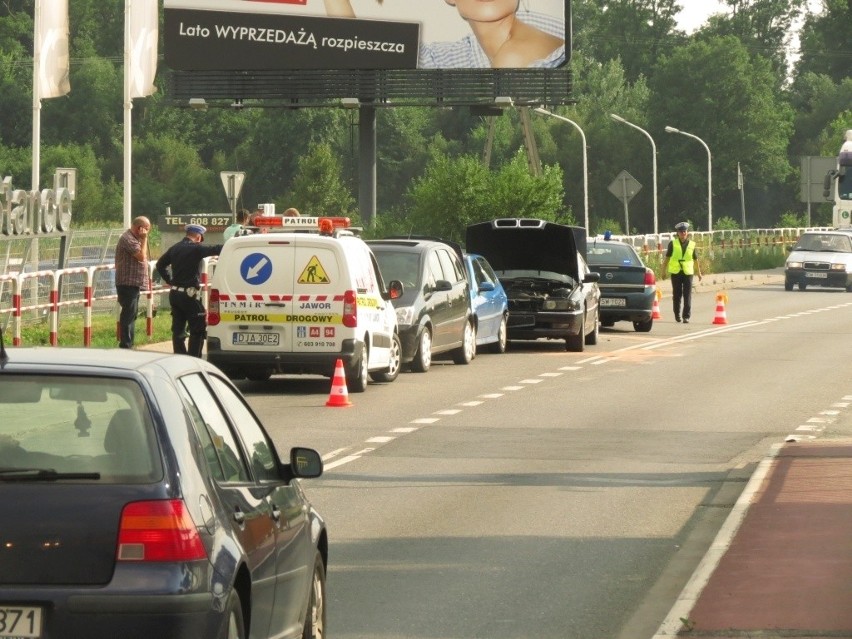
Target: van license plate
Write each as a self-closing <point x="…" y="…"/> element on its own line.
<point x="22" y="622"/>
<point x="256" y="339"/>
<point x="613" y="301"/>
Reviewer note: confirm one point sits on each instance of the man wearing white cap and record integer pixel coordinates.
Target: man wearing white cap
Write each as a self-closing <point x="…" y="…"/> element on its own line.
<point x="180" y="268"/>
<point x="681" y="263"/>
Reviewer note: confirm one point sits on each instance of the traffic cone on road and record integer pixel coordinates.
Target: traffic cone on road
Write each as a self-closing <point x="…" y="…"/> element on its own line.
<point x="339" y="395"/>
<point x="655" y="307"/>
<point x="721" y="317"/>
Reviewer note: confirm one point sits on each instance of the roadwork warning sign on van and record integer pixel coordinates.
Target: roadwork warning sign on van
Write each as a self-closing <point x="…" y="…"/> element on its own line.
<point x="313" y="273"/>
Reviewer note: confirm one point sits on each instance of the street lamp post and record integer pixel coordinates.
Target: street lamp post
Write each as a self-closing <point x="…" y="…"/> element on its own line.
<point x="671" y="129"/>
<point x="618" y="118"/>
<point x="585" y="163"/>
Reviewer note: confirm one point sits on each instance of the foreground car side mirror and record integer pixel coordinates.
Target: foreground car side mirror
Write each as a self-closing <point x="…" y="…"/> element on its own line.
<point x="591" y="277"/>
<point x="305" y="463"/>
<point x="486" y="286"/>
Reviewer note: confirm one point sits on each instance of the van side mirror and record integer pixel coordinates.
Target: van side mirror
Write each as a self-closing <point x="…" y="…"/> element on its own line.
<point x="395" y="290"/>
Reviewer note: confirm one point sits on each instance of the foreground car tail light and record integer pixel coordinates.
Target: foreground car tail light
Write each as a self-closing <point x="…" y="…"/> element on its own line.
<point x="158" y="531"/>
<point x="650" y="278"/>
<point x="350" y="309"/>
<point x="213" y="317"/>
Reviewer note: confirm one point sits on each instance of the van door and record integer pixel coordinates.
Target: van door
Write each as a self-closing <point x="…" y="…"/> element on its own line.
<point x="321" y="283"/>
<point x="255" y="283"/>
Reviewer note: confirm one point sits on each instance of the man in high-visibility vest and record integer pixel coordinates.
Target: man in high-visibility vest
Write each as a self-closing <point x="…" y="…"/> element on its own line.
<point x="681" y="263"/>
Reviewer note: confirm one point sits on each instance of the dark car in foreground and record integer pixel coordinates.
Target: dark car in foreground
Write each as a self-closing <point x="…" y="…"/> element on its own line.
<point x="628" y="287"/>
<point x="552" y="293"/>
<point x="489" y="303"/>
<point x="142" y="498"/>
<point x="433" y="313"/>
<point x="820" y="258"/>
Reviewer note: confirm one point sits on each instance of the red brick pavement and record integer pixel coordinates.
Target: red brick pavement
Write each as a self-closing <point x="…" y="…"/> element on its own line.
<point x="788" y="570"/>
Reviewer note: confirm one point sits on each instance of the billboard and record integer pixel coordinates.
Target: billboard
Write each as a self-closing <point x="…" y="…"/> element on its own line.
<point x="207" y="35"/>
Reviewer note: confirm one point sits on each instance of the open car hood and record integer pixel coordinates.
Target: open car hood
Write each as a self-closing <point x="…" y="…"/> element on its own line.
<point x="524" y="243"/>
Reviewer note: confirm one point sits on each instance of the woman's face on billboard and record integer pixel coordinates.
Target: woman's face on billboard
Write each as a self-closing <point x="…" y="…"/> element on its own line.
<point x="485" y="10"/>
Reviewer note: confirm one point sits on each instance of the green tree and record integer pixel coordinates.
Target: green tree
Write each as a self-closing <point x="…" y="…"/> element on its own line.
<point x="169" y="173"/>
<point x="456" y="192"/>
<point x="637" y="32"/>
<point x="762" y="26"/>
<point x="317" y="187"/>
<point x="826" y="40"/>
<point x="700" y="85"/>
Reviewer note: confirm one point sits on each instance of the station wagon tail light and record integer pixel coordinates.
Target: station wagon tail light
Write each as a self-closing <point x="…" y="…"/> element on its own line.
<point x="281" y="223"/>
<point x="158" y="531"/>
<point x="350" y="309"/>
<point x="213" y="317"/>
<point x="650" y="278"/>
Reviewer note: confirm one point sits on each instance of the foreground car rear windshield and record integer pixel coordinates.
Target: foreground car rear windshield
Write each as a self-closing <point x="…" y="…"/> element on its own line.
<point x="75" y="428"/>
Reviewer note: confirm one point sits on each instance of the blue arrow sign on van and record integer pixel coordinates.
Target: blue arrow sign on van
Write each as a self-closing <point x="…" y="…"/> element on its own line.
<point x="256" y="268"/>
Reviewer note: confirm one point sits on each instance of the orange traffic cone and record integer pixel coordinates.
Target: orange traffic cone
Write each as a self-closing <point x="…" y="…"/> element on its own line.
<point x="339" y="395"/>
<point x="655" y="307"/>
<point x="720" y="318"/>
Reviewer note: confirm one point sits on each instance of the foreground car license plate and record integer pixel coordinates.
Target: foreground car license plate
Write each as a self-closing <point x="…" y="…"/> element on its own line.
<point x="20" y="622"/>
<point x="255" y="339"/>
<point x="613" y="301"/>
<point x="818" y="275"/>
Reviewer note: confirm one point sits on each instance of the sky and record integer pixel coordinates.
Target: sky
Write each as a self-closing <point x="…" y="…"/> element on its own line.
<point x="695" y="13"/>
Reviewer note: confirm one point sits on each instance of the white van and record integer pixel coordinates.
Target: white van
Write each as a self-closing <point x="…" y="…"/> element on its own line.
<point x="294" y="300"/>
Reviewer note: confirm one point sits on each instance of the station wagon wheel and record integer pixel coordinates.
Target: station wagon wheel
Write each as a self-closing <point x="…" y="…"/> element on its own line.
<point x="643" y="326"/>
<point x="315" y="615"/>
<point x="423" y="357"/>
<point x="500" y="345"/>
<point x="357" y="378"/>
<point x="467" y="351"/>
<point x="394" y="364"/>
<point x="234" y="626"/>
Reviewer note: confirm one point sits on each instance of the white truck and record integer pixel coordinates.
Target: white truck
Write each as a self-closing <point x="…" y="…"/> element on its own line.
<point x="838" y="185"/>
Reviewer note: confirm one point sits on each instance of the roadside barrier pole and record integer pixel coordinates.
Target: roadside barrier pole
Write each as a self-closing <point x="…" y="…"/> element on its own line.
<point x="87" y="306"/>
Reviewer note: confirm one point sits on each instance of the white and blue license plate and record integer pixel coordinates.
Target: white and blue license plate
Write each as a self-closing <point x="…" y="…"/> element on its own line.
<point x="20" y="622"/>
<point x="817" y="275"/>
<point x="255" y="339"/>
<point x="613" y="301"/>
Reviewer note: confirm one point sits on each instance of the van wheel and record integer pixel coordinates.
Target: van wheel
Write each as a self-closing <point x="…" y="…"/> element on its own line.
<point x="356" y="379"/>
<point x="260" y="375"/>
<point x="423" y="357"/>
<point x="395" y="363"/>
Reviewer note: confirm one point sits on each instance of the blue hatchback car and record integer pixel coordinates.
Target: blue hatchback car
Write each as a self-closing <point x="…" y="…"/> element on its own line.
<point x="489" y="303"/>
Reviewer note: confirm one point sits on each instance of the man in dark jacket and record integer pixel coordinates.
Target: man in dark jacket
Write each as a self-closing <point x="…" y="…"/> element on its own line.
<point x="180" y="268"/>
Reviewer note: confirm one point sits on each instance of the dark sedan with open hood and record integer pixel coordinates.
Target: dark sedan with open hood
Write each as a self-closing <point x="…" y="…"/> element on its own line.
<point x="542" y="266"/>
